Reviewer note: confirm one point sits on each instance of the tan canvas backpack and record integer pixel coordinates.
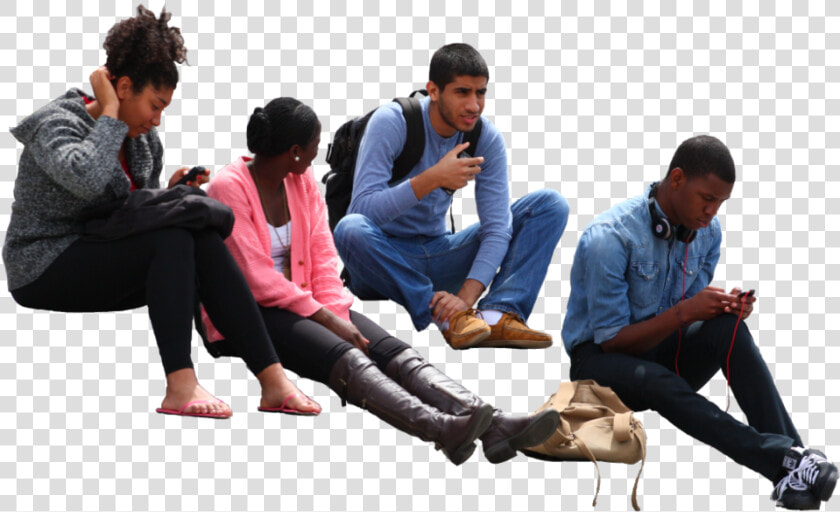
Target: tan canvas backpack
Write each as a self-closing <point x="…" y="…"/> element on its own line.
<point x="594" y="425"/>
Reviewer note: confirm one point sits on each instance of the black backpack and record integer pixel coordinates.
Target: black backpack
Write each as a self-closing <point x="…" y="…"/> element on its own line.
<point x="344" y="149"/>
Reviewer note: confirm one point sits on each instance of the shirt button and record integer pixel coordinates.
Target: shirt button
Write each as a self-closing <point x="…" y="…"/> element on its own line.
<point x="300" y="262"/>
<point x="303" y="285"/>
<point x="691" y="272"/>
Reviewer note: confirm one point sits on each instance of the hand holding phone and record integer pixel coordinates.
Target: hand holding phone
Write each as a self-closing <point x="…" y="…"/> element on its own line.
<point x="462" y="154"/>
<point x="745" y="293"/>
<point x="191" y="175"/>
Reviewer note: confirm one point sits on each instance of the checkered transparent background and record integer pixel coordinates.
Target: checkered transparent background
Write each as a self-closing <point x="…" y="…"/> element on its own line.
<point x="593" y="97"/>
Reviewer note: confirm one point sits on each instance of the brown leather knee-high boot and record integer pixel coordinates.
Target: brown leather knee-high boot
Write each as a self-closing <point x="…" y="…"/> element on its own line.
<point x="507" y="433"/>
<point x="359" y="381"/>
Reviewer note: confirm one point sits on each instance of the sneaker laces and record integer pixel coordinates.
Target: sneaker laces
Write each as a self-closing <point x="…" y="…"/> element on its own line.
<point x="790" y="481"/>
<point x="801" y="478"/>
<point x="808" y="470"/>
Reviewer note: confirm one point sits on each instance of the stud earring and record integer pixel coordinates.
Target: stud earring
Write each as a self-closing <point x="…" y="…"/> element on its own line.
<point x="297" y="159"/>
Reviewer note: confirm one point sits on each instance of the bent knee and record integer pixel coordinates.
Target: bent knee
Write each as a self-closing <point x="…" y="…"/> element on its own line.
<point x="721" y="328"/>
<point x="549" y="202"/>
<point x="351" y="229"/>
<point x="171" y="238"/>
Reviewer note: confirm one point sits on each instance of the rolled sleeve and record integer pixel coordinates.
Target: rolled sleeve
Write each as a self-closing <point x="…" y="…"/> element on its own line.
<point x="605" y="283"/>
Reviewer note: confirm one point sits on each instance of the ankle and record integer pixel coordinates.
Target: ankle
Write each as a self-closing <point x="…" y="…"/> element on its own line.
<point x="492" y="316"/>
<point x="181" y="379"/>
<point x="272" y="377"/>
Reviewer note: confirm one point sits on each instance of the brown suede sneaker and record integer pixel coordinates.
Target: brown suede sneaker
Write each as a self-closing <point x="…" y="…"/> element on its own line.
<point x="466" y="329"/>
<point x="511" y="332"/>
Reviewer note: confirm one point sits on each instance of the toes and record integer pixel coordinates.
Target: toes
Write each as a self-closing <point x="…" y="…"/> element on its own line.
<point x="215" y="408"/>
<point x="307" y="404"/>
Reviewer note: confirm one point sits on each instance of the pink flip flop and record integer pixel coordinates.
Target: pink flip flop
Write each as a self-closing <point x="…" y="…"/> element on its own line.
<point x="288" y="410"/>
<point x="180" y="412"/>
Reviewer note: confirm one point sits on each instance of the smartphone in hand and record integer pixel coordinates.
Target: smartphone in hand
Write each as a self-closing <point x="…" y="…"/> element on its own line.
<point x="191" y="175"/>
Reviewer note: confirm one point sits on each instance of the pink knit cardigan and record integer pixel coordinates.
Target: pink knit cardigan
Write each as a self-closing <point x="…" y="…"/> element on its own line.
<point x="315" y="282"/>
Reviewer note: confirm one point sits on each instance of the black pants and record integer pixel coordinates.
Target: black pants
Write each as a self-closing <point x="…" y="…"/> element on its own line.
<point x="168" y="270"/>
<point x="310" y="349"/>
<point x="649" y="381"/>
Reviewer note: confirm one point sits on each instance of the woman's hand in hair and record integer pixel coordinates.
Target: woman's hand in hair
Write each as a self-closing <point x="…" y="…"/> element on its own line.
<point x="104" y="92"/>
<point x="341" y="328"/>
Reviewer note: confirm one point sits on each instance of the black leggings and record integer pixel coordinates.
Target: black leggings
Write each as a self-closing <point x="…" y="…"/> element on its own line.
<point x="310" y="349"/>
<point x="168" y="270"/>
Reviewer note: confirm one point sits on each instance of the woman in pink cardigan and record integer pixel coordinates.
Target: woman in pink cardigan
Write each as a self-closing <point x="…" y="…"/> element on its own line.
<point x="282" y="242"/>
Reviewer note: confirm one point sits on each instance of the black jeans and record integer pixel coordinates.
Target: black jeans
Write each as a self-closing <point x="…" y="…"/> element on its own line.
<point x="649" y="381"/>
<point x="168" y="270"/>
<point x="310" y="349"/>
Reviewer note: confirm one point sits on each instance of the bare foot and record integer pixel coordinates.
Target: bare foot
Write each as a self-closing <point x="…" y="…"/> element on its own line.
<point x="277" y="388"/>
<point x="182" y="387"/>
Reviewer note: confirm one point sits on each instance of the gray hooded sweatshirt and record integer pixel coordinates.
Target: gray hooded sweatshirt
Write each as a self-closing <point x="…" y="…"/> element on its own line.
<point x="69" y="164"/>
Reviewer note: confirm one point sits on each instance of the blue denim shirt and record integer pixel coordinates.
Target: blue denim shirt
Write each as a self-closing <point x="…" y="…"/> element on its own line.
<point x="623" y="274"/>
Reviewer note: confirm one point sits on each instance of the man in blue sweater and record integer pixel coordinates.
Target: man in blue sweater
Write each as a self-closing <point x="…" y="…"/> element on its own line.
<point x="643" y="320"/>
<point x="394" y="240"/>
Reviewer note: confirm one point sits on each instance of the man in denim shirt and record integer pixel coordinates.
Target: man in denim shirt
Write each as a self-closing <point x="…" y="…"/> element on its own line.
<point x="643" y="320"/>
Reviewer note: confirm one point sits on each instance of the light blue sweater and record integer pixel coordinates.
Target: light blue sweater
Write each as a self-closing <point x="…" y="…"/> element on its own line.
<point x="398" y="211"/>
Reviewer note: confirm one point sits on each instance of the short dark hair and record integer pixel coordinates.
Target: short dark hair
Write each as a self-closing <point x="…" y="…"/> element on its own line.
<point x="283" y="123"/>
<point x="145" y="49"/>
<point x="702" y="155"/>
<point x="456" y="59"/>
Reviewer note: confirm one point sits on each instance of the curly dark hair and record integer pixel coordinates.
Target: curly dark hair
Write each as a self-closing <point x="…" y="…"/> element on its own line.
<point x="145" y="49"/>
<point x="283" y="123"/>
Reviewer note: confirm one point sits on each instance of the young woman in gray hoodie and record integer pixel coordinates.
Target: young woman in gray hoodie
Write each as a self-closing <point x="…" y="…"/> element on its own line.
<point x="81" y="153"/>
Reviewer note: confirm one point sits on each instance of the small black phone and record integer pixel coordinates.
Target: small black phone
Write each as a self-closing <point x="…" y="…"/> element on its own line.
<point x="746" y="293"/>
<point x="191" y="175"/>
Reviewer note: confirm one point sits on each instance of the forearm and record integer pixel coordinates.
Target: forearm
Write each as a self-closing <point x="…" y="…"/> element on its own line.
<point x="470" y="291"/>
<point x="382" y="205"/>
<point x="84" y="164"/>
<point x="494" y="246"/>
<point x="323" y="316"/>
<point x="643" y="336"/>
<point x="424" y="184"/>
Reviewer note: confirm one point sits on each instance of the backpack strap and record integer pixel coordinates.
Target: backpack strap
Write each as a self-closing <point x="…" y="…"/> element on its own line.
<point x="638" y="475"/>
<point x="415" y="140"/>
<point x="622" y="426"/>
<point x="472" y="137"/>
<point x="589" y="455"/>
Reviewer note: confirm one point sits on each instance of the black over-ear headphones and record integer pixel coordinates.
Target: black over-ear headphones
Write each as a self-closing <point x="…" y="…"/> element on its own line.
<point x="662" y="227"/>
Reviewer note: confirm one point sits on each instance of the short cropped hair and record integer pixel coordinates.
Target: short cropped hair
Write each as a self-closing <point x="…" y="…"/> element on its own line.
<point x="702" y="155"/>
<point x="456" y="59"/>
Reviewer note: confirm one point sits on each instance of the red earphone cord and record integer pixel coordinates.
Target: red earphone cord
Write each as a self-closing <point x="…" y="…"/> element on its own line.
<point x="731" y="343"/>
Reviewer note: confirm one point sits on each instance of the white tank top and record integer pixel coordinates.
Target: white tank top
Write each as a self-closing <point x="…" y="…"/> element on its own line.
<point x="280" y="241"/>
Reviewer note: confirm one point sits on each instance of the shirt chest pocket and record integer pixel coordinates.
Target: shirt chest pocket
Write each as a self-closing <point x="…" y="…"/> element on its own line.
<point x="693" y="266"/>
<point x="643" y="283"/>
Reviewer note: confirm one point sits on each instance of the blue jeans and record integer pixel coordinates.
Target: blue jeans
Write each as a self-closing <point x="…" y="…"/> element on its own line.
<point x="409" y="270"/>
